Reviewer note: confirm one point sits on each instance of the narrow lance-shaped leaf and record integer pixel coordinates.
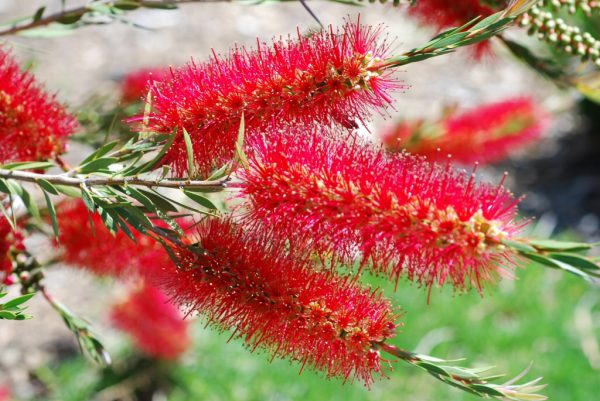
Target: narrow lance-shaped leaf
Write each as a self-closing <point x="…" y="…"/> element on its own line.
<point x="190" y="153"/>
<point x="52" y="213"/>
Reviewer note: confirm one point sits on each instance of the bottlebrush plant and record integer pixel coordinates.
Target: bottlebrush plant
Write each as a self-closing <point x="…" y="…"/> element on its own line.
<point x="153" y="322"/>
<point x="485" y="134"/>
<point x="244" y="195"/>
<point x="27" y="133"/>
<point x="329" y="77"/>
<point x="135" y="85"/>
<point x="109" y="254"/>
<point x="401" y="214"/>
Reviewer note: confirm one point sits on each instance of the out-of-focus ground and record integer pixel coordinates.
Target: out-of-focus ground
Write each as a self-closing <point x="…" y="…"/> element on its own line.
<point x="93" y="59"/>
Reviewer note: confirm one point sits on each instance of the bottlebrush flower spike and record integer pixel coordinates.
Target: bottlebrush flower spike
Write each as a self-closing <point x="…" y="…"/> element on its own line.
<point x="400" y="213"/>
<point x="99" y="251"/>
<point x="153" y="322"/>
<point x="9" y="240"/>
<point x="135" y="85"/>
<point x="485" y="134"/>
<point x="249" y="283"/>
<point x="442" y="14"/>
<point x="329" y="77"/>
<point x="33" y="125"/>
<point x="5" y="393"/>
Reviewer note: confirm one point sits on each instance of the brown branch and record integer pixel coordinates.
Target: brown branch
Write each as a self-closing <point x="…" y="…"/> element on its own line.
<point x="80" y="11"/>
<point x="16" y="28"/>
<point x="62" y="179"/>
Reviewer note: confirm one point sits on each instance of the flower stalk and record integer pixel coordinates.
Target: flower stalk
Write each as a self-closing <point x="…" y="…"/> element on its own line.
<point x="471" y="380"/>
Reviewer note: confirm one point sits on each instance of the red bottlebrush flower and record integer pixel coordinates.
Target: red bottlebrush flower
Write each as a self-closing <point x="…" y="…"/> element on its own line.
<point x="9" y="241"/>
<point x="248" y="282"/>
<point x="329" y="77"/>
<point x="4" y="393"/>
<point x="442" y="14"/>
<point x="33" y="125"/>
<point x="153" y="322"/>
<point x="486" y="134"/>
<point x="99" y="251"/>
<point x="135" y="85"/>
<point x="401" y="213"/>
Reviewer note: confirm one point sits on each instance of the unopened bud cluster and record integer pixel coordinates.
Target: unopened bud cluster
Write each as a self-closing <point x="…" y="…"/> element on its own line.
<point x="556" y="31"/>
<point x="572" y="6"/>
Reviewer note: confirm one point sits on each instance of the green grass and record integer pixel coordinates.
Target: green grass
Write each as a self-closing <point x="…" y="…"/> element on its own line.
<point x="530" y="320"/>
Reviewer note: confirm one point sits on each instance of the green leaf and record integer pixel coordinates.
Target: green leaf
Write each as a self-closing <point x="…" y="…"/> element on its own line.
<point x="519" y="246"/>
<point x="459" y="372"/>
<point x="10" y="217"/>
<point x="48" y="32"/>
<point x="47" y="186"/>
<point x="7" y="315"/>
<point x="159" y="156"/>
<point x="12" y="310"/>
<point x="201" y="200"/>
<point x="126" y="5"/>
<point x="182" y="205"/>
<point x="485" y="22"/>
<point x="553" y="245"/>
<point x="577" y="261"/>
<point x="98" y="153"/>
<point x="108" y="220"/>
<point x="161" y="6"/>
<point x="450" y="40"/>
<point x="239" y="144"/>
<point x="17" y="301"/>
<point x="88" y="200"/>
<point x="39" y="14"/>
<point x="431" y="368"/>
<point x="541" y="259"/>
<point x="4" y="186"/>
<point x="159" y="200"/>
<point x="114" y="214"/>
<point x="140" y="219"/>
<point x="135" y="217"/>
<point x="547" y="67"/>
<point x="482" y="388"/>
<point x="72" y="192"/>
<point x="220" y="173"/>
<point x="101" y="8"/>
<point x="97" y="165"/>
<point x="140" y="197"/>
<point x="86" y="338"/>
<point x="69" y="19"/>
<point x="146" y="119"/>
<point x="14" y="187"/>
<point x="28" y="201"/>
<point x="28" y="166"/>
<point x="190" y="153"/>
<point x="52" y="213"/>
<point x="170" y="222"/>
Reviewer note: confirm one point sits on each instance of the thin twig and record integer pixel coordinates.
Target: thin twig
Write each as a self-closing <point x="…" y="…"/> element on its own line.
<point x="62" y="179"/>
<point x="16" y="28"/>
<point x="80" y="11"/>
<point x="471" y="380"/>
